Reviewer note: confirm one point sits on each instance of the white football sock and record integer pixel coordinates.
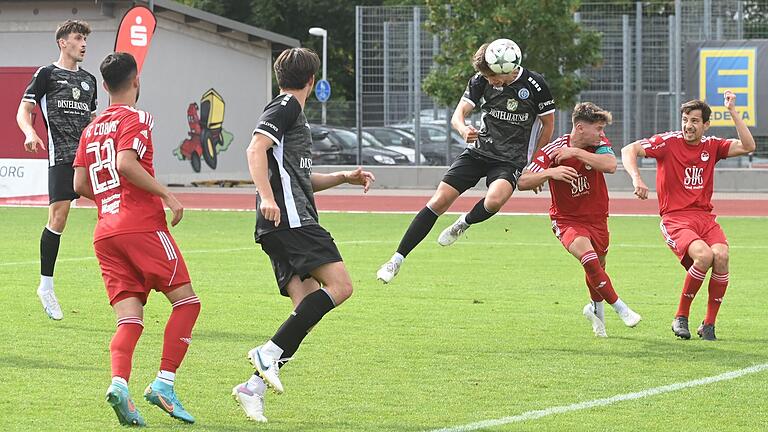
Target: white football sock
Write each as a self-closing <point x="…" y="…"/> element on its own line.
<point x="619" y="306"/>
<point x="166" y="377"/>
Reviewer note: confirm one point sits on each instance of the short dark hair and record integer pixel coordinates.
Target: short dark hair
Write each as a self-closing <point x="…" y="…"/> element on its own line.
<point x="588" y="112"/>
<point x="118" y="69"/>
<point x="694" y="105"/>
<point x="72" y="26"/>
<point x="295" y="67"/>
<point x="479" y="63"/>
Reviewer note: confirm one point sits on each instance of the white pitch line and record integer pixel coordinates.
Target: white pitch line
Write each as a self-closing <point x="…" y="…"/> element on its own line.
<point x="533" y="415"/>
<point x="364" y="242"/>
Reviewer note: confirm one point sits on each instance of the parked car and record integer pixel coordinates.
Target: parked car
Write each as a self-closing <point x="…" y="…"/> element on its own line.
<point x="433" y="150"/>
<point x="409" y="152"/>
<point x="433" y="137"/>
<point x="338" y="146"/>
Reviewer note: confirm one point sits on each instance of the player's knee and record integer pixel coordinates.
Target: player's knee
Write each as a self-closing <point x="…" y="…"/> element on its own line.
<point x="494" y="204"/>
<point x="342" y="291"/>
<point x="704" y="258"/>
<point x="57" y="223"/>
<point x="720" y="257"/>
<point x="438" y="204"/>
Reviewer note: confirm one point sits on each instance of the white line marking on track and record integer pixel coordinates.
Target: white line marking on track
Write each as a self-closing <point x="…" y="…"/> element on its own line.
<point x="533" y="415"/>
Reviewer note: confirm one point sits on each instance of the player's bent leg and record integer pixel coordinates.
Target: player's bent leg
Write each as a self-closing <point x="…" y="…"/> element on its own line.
<point x="129" y="311"/>
<point x="718" y="284"/>
<point x="702" y="258"/>
<point x="49" y="251"/>
<point x="452" y="233"/>
<point x="176" y="341"/>
<point x="581" y="247"/>
<point x="421" y="225"/>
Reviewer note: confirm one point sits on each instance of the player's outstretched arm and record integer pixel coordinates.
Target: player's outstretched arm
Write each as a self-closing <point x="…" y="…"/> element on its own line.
<point x="322" y="182"/>
<point x="746" y="143"/>
<point x="259" y="169"/>
<point x="629" y="155"/>
<point x="129" y="167"/>
<point x="24" y="120"/>
<point x="533" y="181"/>
<point x="81" y="184"/>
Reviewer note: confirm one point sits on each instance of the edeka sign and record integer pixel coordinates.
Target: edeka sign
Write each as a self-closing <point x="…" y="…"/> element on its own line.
<point x="738" y="66"/>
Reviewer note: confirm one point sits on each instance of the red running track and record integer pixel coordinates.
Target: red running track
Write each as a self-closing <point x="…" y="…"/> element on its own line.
<point x="387" y="203"/>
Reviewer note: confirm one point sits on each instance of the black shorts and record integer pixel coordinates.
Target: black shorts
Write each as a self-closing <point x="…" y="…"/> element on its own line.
<point x="469" y="168"/>
<point x="61" y="183"/>
<point x="298" y="251"/>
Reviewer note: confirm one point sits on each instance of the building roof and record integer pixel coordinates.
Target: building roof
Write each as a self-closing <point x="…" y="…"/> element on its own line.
<point x="223" y="25"/>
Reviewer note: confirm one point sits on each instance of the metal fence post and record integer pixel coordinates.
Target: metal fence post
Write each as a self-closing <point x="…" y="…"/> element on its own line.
<point x="386" y="77"/>
<point x="671" y="72"/>
<point x="740" y="20"/>
<point x="417" y="81"/>
<point x="359" y="81"/>
<point x="678" y="53"/>
<point x="625" y="77"/>
<point x="638" y="70"/>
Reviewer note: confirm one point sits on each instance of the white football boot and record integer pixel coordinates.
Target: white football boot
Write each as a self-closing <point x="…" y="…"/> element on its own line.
<point x="630" y="317"/>
<point x="453" y="232"/>
<point x="50" y="303"/>
<point x="268" y="368"/>
<point x="252" y="402"/>
<point x="598" y="326"/>
<point x="388" y="271"/>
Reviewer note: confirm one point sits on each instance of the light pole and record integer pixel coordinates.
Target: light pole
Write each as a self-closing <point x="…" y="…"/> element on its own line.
<point x="319" y="31"/>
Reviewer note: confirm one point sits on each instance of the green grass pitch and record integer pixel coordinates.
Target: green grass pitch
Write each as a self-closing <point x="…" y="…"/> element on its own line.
<point x="488" y="328"/>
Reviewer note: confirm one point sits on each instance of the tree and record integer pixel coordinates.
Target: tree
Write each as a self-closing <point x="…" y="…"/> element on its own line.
<point x="553" y="44"/>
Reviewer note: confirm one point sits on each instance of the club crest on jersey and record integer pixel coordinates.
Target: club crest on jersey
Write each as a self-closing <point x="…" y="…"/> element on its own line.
<point x="85" y="85"/>
<point x="76" y="93"/>
<point x="588" y="167"/>
<point x="704" y="156"/>
<point x="511" y="104"/>
<point x="523" y="93"/>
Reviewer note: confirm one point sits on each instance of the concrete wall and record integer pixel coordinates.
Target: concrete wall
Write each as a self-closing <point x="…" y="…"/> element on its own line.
<point x="726" y="179"/>
<point x="183" y="62"/>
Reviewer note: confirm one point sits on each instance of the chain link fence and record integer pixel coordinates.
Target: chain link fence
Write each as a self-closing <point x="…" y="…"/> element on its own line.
<point x="641" y="78"/>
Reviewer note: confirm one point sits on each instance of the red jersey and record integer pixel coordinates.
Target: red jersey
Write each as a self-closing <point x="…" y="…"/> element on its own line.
<point x="122" y="207"/>
<point x="584" y="197"/>
<point x="685" y="173"/>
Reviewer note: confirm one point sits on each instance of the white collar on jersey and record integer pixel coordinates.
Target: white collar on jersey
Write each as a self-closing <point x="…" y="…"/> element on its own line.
<point x="77" y="67"/>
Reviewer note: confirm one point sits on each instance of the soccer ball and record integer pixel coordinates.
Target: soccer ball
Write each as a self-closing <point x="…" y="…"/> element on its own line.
<point x="503" y="56"/>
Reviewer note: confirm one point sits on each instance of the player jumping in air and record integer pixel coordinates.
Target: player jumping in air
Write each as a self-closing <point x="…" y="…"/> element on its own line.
<point x="518" y="118"/>
<point x="574" y="165"/>
<point x="136" y="253"/>
<point x="685" y="161"/>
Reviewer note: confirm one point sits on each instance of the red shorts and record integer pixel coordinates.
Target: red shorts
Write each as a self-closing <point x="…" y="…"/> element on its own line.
<point x="682" y="228"/>
<point x="135" y="263"/>
<point x="566" y="230"/>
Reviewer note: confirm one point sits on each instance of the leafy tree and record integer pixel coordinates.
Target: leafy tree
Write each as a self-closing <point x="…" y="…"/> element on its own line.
<point x="552" y="43"/>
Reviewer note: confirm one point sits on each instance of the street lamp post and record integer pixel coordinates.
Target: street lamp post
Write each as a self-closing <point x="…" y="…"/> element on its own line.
<point x="319" y="31"/>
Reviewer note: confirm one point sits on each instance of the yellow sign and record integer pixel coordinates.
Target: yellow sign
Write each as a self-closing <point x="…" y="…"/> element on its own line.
<point x="731" y="69"/>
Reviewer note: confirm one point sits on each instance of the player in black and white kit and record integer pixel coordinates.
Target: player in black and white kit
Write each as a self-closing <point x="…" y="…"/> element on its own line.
<point x="67" y="98"/>
<point x="517" y="119"/>
<point x="306" y="262"/>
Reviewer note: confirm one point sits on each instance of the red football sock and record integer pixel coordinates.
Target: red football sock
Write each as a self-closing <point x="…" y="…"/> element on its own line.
<point x="178" y="332"/>
<point x="597" y="278"/>
<point x="123" y="343"/>
<point x="594" y="295"/>
<point x="693" y="281"/>
<point x="717" y="286"/>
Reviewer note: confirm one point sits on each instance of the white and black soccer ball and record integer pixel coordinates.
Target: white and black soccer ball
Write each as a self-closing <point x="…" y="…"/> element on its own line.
<point x="503" y="56"/>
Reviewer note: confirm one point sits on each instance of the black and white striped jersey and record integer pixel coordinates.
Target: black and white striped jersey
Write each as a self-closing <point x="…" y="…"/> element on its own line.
<point x="67" y="99"/>
<point x="290" y="165"/>
<point x="510" y="124"/>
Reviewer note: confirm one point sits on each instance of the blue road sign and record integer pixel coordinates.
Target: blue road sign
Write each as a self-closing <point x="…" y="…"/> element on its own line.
<point x="323" y="90"/>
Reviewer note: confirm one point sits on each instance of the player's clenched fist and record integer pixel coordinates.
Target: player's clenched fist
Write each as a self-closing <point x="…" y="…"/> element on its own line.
<point x="270" y="210"/>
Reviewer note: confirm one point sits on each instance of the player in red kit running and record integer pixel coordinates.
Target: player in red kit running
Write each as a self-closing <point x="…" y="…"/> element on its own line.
<point x="685" y="163"/>
<point x="574" y="165"/>
<point x="136" y="253"/>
